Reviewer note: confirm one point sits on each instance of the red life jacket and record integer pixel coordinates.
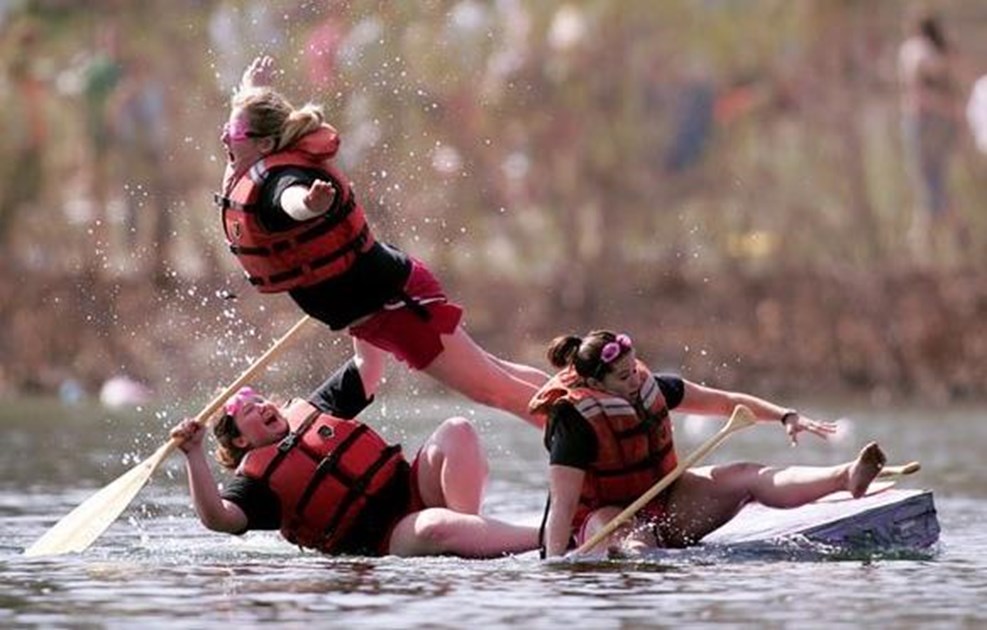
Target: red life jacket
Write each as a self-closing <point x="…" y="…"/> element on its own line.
<point x="634" y="440"/>
<point x="310" y="251"/>
<point x="322" y="472"/>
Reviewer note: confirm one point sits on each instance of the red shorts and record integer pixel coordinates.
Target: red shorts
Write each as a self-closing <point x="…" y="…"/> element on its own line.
<point x="407" y="335"/>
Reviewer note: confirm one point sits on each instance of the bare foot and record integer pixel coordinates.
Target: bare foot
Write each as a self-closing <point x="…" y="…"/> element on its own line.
<point x="862" y="471"/>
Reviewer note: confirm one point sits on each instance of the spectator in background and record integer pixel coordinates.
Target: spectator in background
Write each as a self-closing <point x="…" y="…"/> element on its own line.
<point x="140" y="120"/>
<point x="930" y="115"/>
<point x="976" y="113"/>
<point x="25" y="131"/>
<point x="692" y="119"/>
<point x="321" y="52"/>
<point x="100" y="78"/>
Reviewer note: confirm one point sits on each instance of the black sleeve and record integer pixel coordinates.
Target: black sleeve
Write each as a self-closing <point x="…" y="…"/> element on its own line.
<point x="342" y="394"/>
<point x="672" y="388"/>
<point x="570" y="439"/>
<point x="271" y="215"/>
<point x="257" y="501"/>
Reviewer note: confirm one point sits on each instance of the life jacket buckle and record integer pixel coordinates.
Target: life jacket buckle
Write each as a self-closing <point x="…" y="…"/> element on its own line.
<point x="287" y="442"/>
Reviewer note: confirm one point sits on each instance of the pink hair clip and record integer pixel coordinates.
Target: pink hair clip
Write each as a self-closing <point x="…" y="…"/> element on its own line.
<point x="614" y="349"/>
<point x="237" y="400"/>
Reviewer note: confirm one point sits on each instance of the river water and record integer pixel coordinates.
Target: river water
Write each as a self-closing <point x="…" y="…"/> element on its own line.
<point x="157" y="567"/>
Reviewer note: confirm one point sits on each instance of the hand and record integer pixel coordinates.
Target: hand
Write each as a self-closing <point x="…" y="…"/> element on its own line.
<point x="190" y="435"/>
<point x="319" y="197"/>
<point x="795" y="423"/>
<point x="260" y="73"/>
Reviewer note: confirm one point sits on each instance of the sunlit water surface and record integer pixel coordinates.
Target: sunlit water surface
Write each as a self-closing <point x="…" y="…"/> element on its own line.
<point x="157" y="566"/>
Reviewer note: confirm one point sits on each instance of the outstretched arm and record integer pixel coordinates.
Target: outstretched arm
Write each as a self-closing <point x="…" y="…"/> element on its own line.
<point x="704" y="400"/>
<point x="215" y="512"/>
<point x="307" y="202"/>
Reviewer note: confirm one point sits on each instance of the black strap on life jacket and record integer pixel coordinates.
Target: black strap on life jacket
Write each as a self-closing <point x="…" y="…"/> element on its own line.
<point x="357" y="488"/>
<point x="288" y="443"/>
<point x="328" y="465"/>
<point x="321" y="224"/>
<point x="541" y="528"/>
<point x="354" y="245"/>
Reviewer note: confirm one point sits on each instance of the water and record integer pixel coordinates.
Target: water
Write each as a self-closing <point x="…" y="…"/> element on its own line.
<point x="156" y="566"/>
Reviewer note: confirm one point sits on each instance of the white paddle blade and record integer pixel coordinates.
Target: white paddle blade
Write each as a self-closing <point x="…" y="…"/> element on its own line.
<point x="86" y="523"/>
<point x="898" y="471"/>
<point x="80" y="527"/>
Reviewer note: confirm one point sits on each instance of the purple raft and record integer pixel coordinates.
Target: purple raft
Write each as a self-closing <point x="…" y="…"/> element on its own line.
<point x="888" y="519"/>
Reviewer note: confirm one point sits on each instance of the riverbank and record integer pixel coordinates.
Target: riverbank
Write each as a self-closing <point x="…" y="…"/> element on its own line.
<point x="899" y="335"/>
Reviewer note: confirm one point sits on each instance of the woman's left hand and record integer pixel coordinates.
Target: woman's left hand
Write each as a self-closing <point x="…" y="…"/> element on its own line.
<point x="795" y="423"/>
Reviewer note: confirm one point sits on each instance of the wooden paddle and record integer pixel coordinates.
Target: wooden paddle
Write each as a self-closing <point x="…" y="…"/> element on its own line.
<point x="83" y="525"/>
<point x="898" y="471"/>
<point x="741" y="418"/>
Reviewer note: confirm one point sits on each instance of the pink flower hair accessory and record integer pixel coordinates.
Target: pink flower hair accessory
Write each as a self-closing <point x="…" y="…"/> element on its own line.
<point x="237" y="400"/>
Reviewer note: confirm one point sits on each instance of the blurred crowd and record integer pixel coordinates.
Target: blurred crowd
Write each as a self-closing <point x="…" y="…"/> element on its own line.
<point x="539" y="146"/>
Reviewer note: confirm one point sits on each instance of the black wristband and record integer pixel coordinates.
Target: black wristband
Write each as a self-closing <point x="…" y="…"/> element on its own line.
<point x="785" y="416"/>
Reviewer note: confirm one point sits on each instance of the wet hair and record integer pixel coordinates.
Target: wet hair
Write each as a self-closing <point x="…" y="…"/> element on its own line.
<point x="584" y="353"/>
<point x="227" y="453"/>
<point x="269" y="114"/>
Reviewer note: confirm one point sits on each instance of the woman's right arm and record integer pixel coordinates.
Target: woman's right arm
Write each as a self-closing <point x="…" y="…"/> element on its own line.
<point x="565" y="484"/>
<point x="215" y="512"/>
<point x="302" y="203"/>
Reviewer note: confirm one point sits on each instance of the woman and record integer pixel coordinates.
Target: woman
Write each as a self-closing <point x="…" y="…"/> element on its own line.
<point x="931" y="115"/>
<point x="332" y="484"/>
<point x="294" y="223"/>
<point x="610" y="439"/>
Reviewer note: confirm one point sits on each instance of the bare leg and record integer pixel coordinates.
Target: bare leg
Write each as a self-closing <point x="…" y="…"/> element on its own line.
<point x="370" y="362"/>
<point x="452" y="468"/>
<point x="452" y="473"/>
<point x="435" y="531"/>
<point x="705" y="498"/>
<point x="526" y="373"/>
<point x="467" y="368"/>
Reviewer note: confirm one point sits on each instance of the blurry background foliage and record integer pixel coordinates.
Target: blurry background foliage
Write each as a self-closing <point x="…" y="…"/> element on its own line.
<point x="722" y="178"/>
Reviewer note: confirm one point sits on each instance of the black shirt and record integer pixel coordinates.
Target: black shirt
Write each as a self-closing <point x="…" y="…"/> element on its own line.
<point x="377" y="276"/>
<point x="570" y="439"/>
<point x="341" y="395"/>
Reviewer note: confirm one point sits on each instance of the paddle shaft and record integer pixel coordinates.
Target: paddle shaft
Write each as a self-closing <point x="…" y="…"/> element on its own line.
<point x="210" y="410"/>
<point x="741" y="418"/>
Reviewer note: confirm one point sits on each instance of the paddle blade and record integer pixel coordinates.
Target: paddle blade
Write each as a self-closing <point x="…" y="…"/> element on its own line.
<point x="741" y="418"/>
<point x="897" y="471"/>
<point x="80" y="527"/>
